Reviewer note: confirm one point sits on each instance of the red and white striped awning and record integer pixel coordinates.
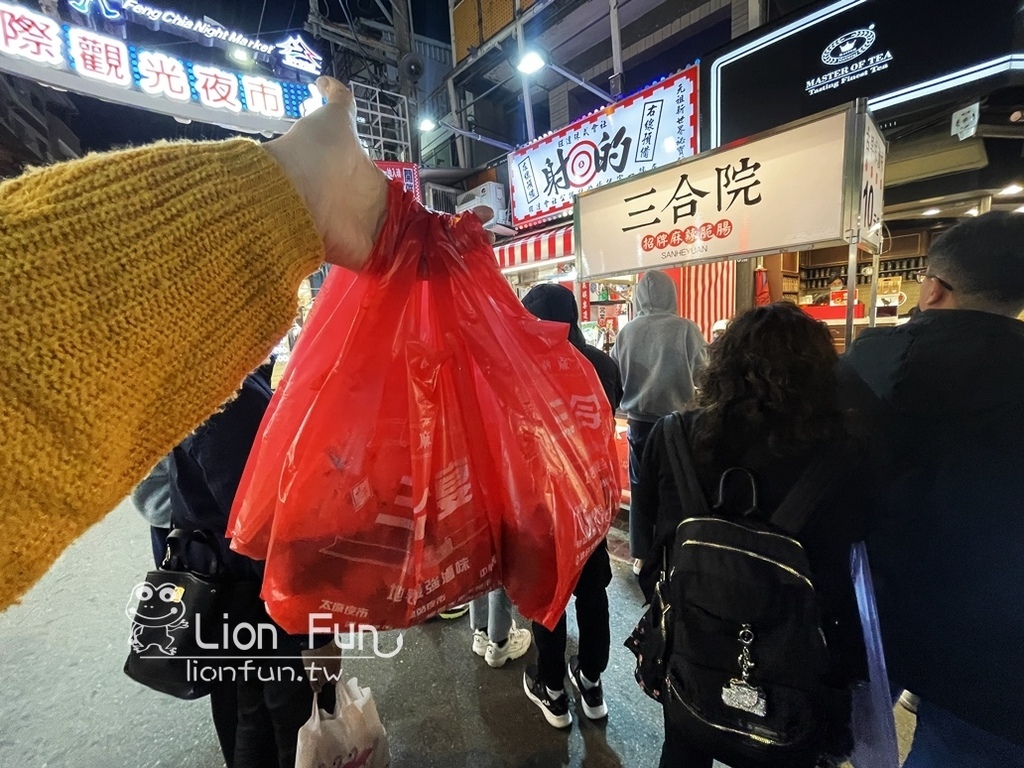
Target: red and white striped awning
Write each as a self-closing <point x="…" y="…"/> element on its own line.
<point x="536" y="248"/>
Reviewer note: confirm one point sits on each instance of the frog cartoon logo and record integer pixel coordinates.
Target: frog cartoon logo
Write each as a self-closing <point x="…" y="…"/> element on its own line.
<point x="151" y="607"/>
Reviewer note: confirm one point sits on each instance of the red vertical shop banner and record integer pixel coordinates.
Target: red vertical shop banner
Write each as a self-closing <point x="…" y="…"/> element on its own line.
<point x="584" y="302"/>
<point x="407" y="173"/>
<point x="707" y="293"/>
<point x="762" y="293"/>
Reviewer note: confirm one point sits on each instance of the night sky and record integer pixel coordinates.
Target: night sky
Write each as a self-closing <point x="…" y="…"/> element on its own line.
<point x="102" y="126"/>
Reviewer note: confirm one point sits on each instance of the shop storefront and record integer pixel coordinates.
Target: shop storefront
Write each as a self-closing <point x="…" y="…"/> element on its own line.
<point x="654" y="127"/>
<point x="945" y="81"/>
<point x="651" y="129"/>
<point x="807" y="187"/>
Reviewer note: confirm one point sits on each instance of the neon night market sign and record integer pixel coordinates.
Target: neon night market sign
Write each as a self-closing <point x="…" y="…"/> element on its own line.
<point x="77" y="59"/>
<point x="293" y="52"/>
<point x="183" y="22"/>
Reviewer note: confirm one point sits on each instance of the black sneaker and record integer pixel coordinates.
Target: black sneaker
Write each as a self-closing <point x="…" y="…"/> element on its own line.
<point x="591" y="698"/>
<point x="556" y="711"/>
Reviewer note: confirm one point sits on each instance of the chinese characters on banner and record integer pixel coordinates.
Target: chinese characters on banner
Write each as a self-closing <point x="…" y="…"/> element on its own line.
<point x="31" y="36"/>
<point x="407" y="173"/>
<point x="216" y="88"/>
<point x="769" y="194"/>
<point x="163" y="75"/>
<point x="652" y="128"/>
<point x="872" y="189"/>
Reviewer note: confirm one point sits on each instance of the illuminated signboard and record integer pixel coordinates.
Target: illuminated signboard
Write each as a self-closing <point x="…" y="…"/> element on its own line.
<point x="292" y="53"/>
<point x="647" y="130"/>
<point x="78" y="59"/>
<point x="895" y="54"/>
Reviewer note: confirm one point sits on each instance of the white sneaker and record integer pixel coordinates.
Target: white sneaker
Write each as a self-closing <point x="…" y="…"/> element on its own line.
<point x="480" y="642"/>
<point x="909" y="701"/>
<point x="637" y="565"/>
<point x="518" y="644"/>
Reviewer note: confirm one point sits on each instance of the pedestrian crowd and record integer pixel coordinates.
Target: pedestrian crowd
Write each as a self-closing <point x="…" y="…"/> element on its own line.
<point x="755" y="463"/>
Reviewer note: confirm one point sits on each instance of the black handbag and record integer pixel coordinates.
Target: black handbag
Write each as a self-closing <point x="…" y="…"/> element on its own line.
<point x="649" y="642"/>
<point x="175" y="605"/>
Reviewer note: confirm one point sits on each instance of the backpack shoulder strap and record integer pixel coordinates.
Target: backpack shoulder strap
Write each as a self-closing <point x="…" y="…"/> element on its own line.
<point x="680" y="458"/>
<point x="810" y="489"/>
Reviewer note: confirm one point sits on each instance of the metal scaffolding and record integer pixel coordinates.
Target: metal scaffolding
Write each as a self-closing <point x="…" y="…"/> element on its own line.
<point x="383" y="123"/>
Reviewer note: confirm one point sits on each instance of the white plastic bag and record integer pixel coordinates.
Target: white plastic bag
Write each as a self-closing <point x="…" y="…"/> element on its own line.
<point x="351" y="737"/>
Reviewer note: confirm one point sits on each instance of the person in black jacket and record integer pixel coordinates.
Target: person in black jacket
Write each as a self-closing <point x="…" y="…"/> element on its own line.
<point x="945" y="393"/>
<point x="257" y="721"/>
<point x="768" y="401"/>
<point x="544" y="681"/>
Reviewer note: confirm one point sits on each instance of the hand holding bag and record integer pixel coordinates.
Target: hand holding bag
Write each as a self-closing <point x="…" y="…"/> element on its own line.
<point x="351" y="737"/>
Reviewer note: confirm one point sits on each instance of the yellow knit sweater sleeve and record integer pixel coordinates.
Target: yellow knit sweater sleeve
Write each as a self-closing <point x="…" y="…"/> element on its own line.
<point x="137" y="288"/>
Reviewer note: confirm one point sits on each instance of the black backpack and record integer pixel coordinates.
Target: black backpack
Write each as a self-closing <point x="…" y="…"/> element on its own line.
<point x="746" y="656"/>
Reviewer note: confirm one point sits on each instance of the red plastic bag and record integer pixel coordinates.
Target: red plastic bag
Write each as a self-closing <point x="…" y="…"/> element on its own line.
<point x="430" y="440"/>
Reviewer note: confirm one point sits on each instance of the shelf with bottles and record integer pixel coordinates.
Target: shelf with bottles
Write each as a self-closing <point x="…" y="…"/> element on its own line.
<point x="820" y="278"/>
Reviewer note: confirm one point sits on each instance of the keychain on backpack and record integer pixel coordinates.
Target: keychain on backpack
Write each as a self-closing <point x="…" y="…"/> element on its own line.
<point x="740" y="694"/>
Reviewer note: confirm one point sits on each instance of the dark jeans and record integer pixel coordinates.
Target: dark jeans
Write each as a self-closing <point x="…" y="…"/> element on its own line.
<point x="224" y="706"/>
<point x="592" y="618"/>
<point x="641" y="529"/>
<point x="265" y="697"/>
<point x="269" y="716"/>
<point x="942" y="740"/>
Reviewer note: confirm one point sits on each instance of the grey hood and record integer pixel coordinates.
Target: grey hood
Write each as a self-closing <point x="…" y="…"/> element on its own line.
<point x="655" y="293"/>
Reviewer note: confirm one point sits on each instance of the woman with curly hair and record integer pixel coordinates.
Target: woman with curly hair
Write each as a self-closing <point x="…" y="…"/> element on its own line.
<point x="768" y="402"/>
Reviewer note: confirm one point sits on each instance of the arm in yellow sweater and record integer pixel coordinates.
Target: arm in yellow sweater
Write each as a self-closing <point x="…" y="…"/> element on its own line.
<point x="137" y="289"/>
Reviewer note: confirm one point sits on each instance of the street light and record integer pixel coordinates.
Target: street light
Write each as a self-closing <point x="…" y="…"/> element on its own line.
<point x="533" y="61"/>
<point x="428" y="124"/>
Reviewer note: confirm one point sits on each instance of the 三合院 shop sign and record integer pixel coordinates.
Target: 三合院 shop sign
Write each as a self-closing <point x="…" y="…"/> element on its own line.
<point x="802" y="187"/>
<point x="651" y="128"/>
<point x="85" y="61"/>
<point x="892" y="53"/>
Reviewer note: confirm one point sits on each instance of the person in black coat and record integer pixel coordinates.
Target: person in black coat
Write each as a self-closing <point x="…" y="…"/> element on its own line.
<point x="257" y="722"/>
<point x="945" y="397"/>
<point x="768" y="401"/>
<point x="544" y="681"/>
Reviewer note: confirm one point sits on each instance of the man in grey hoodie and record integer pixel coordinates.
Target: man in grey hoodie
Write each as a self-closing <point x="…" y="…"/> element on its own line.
<point x="659" y="355"/>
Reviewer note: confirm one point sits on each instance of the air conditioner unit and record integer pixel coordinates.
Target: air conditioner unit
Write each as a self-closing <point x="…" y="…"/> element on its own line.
<point x="438" y="197"/>
<point x="492" y="195"/>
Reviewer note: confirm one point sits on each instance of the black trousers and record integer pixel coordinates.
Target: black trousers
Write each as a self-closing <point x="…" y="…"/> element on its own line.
<point x="641" y="528"/>
<point x="258" y="720"/>
<point x="259" y="709"/>
<point x="592" y="618"/>
<point x="270" y="714"/>
<point x="224" y="706"/>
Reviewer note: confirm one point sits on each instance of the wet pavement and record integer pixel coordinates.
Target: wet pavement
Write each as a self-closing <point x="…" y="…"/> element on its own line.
<point x="64" y="700"/>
